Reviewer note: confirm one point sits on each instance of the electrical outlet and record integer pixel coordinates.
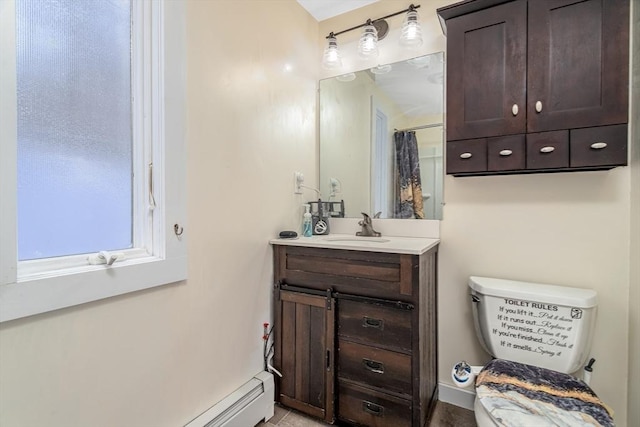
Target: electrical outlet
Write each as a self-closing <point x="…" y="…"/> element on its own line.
<point x="298" y="180"/>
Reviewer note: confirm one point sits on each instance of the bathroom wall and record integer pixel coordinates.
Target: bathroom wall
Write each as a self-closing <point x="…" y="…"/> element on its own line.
<point x="567" y="228"/>
<point x="161" y="357"/>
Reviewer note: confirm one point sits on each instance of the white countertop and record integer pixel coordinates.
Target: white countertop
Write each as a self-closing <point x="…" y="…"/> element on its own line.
<point x="390" y="244"/>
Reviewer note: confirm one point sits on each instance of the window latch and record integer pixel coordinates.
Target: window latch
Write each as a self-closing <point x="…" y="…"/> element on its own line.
<point x="105" y="257"/>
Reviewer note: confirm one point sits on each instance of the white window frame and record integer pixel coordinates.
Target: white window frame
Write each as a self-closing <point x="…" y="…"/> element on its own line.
<point x="160" y="256"/>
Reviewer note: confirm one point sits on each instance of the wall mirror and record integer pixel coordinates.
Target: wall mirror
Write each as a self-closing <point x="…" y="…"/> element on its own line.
<point x="381" y="139"/>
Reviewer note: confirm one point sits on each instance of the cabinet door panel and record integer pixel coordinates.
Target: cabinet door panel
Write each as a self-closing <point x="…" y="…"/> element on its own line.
<point x="577" y="71"/>
<point x="305" y="353"/>
<point x="486" y="72"/>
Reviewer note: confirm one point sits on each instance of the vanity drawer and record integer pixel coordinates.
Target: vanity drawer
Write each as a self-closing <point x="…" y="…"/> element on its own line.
<point x="466" y="156"/>
<point x="375" y="324"/>
<point x="374" y="366"/>
<point x="548" y="150"/>
<point x="370" y="274"/>
<point x="506" y="153"/>
<point x="599" y="146"/>
<point x="363" y="406"/>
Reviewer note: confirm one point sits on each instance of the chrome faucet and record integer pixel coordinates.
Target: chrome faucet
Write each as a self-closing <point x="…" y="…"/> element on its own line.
<point x="367" y="226"/>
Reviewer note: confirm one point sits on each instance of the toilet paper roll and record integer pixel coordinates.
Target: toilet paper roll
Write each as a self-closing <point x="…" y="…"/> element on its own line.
<point x="463" y="375"/>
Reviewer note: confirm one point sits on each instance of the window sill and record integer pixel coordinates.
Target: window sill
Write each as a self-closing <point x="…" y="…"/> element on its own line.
<point x="40" y="294"/>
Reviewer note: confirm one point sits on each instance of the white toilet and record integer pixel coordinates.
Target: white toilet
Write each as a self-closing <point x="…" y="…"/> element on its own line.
<point x="538" y="334"/>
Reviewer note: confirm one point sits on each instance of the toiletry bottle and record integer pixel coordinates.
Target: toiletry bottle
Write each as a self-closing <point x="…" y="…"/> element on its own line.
<point x="306" y="222"/>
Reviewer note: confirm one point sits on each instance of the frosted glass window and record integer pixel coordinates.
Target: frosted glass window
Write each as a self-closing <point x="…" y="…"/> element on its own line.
<point x="74" y="127"/>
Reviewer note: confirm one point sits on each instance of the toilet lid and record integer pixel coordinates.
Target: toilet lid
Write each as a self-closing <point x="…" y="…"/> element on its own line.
<point x="515" y="394"/>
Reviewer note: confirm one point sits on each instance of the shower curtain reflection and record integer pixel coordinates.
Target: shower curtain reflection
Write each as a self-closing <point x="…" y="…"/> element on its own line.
<point x="409" y="202"/>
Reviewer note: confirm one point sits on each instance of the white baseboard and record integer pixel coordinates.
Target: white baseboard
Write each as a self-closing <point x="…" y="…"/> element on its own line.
<point x="456" y="396"/>
<point x="247" y="406"/>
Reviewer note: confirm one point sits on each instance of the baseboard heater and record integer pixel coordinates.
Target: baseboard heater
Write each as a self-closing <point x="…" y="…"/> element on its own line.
<point x="245" y="407"/>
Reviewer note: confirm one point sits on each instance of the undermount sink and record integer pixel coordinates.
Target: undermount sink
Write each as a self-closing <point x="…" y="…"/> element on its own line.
<point x="356" y="239"/>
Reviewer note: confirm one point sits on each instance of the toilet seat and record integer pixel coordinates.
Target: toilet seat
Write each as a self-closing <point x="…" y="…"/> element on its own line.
<point x="515" y="394"/>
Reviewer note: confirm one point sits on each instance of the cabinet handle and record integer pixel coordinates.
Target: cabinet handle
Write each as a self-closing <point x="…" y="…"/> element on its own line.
<point x="547" y="149"/>
<point x="466" y="155"/>
<point x="372" y="408"/>
<point x="373" y="366"/>
<point x="369" y="322"/>
<point x="328" y="360"/>
<point x="538" y="106"/>
<point x="506" y="152"/>
<point x="598" y="145"/>
<point x="514" y="109"/>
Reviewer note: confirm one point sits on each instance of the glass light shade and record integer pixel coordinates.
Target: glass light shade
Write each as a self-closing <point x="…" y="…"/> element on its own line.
<point x="368" y="44"/>
<point x="411" y="33"/>
<point x="331" y="59"/>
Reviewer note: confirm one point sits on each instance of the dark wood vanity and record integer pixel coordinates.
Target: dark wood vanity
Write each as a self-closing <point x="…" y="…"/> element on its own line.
<point x="356" y="334"/>
<point x="536" y="86"/>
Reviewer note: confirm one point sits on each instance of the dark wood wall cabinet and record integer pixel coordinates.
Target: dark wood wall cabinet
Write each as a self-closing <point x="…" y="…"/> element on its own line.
<point x="536" y="85"/>
<point x="356" y="335"/>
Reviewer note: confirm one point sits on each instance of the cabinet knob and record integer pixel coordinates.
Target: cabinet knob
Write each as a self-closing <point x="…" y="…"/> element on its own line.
<point x="506" y="152"/>
<point x="547" y="149"/>
<point x="538" y="106"/>
<point x="514" y="109"/>
<point x="466" y="155"/>
<point x="598" y="145"/>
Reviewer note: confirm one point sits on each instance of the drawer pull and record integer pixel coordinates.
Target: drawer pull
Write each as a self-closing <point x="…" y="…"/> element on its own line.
<point x="598" y="145"/>
<point x="538" y="106"/>
<point x="372" y="408"/>
<point x="466" y="155"/>
<point x="547" y="149"/>
<point x="514" y="109"/>
<point x="373" y="366"/>
<point x="369" y="322"/>
<point x="506" y="152"/>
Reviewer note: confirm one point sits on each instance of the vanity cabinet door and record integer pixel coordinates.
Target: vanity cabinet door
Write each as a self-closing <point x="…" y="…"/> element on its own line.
<point x="305" y="340"/>
<point x="578" y="64"/>
<point x="486" y="72"/>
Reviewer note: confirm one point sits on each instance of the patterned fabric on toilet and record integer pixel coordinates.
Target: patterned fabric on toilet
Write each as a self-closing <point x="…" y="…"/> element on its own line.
<point x="516" y="394"/>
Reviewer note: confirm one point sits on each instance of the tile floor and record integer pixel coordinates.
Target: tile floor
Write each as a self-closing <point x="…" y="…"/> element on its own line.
<point x="445" y="415"/>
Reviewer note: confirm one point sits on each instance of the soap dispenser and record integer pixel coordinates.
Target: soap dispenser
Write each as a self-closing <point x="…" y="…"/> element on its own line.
<point x="306" y="222"/>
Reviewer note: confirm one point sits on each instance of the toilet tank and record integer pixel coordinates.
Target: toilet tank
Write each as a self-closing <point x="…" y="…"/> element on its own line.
<point x="542" y="325"/>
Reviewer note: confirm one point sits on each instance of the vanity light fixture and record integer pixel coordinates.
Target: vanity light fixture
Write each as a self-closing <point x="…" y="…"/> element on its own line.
<point x="368" y="44"/>
<point x="411" y="33"/>
<point x="331" y="58"/>
<point x="374" y="31"/>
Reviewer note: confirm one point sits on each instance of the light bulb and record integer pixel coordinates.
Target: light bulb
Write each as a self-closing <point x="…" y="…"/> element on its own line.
<point x="331" y="58"/>
<point x="368" y="44"/>
<point x="411" y="33"/>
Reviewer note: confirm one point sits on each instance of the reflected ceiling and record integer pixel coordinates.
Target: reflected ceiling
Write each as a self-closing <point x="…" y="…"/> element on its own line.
<point x="325" y="9"/>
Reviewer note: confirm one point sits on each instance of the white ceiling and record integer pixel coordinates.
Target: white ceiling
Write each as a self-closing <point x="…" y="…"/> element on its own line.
<point x="325" y="9"/>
